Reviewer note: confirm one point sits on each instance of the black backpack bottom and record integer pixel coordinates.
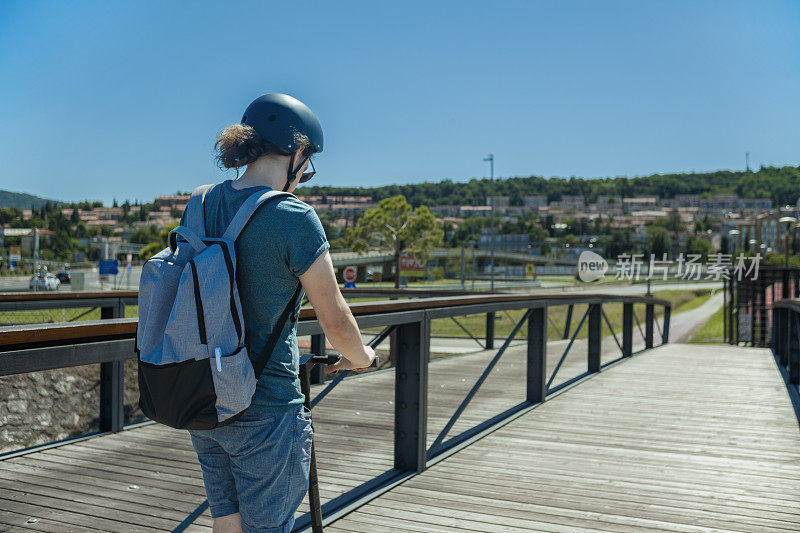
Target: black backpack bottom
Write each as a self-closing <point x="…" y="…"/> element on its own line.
<point x="180" y="408"/>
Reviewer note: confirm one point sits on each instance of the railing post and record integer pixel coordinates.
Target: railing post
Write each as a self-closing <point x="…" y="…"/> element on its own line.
<point x="317" y="375"/>
<point x="537" y="355"/>
<point x="112" y="381"/>
<point x="411" y="396"/>
<point x="784" y="283"/>
<point x="794" y="350"/>
<point x="775" y="329"/>
<point x="725" y="309"/>
<point x="648" y="326"/>
<point x="568" y="322"/>
<point x="627" y="329"/>
<point x="490" y="330"/>
<point x="783" y="336"/>
<point x="665" y="331"/>
<point x="786" y="336"/>
<point x="595" y="338"/>
<point x="777" y="338"/>
<point x="732" y="315"/>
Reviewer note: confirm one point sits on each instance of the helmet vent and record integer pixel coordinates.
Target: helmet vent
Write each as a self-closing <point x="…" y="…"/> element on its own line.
<point x="272" y="118"/>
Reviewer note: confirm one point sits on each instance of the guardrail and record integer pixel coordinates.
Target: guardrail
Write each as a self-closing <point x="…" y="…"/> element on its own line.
<point x="112" y="303"/>
<point x="786" y="346"/>
<point x="109" y="342"/>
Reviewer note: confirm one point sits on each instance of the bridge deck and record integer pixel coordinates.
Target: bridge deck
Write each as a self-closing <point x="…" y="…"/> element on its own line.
<point x="683" y="438"/>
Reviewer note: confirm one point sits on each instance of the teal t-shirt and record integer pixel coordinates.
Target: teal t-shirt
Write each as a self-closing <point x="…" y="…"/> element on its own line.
<point x="280" y="242"/>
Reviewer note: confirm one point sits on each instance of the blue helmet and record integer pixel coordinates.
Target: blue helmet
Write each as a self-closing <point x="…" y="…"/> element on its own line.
<point x="277" y="118"/>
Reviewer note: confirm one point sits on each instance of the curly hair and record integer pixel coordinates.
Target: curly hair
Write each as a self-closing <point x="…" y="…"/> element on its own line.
<point x="238" y="145"/>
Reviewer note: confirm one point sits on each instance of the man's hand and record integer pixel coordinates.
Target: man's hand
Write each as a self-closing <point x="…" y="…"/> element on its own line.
<point x="346" y="364"/>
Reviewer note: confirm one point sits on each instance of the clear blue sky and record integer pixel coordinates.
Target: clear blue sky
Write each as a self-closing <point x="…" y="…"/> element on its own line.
<point x="111" y="99"/>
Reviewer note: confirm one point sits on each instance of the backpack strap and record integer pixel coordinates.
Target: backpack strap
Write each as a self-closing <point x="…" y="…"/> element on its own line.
<point x="249" y="207"/>
<point x="261" y="359"/>
<point x="195" y="213"/>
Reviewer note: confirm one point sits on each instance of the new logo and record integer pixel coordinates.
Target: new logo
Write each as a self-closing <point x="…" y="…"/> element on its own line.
<point x="591" y="266"/>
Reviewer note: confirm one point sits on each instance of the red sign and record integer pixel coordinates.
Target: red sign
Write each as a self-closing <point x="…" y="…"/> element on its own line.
<point x="350" y="273"/>
<point x="409" y="263"/>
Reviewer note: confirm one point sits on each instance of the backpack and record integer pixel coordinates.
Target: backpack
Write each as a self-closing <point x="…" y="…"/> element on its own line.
<point x="195" y="370"/>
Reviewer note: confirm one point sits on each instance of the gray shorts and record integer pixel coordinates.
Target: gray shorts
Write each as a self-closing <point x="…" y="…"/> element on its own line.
<point x="257" y="467"/>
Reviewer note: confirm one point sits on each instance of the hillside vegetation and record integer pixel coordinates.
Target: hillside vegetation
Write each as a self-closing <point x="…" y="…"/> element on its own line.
<point x="780" y="184"/>
<point x="22" y="200"/>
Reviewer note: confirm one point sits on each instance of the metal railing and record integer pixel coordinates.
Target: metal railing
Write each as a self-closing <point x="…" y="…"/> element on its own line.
<point x="786" y="346"/>
<point x="110" y="342"/>
<point x="748" y="303"/>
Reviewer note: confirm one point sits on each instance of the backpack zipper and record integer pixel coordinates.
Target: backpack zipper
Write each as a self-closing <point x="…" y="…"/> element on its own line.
<point x="201" y="319"/>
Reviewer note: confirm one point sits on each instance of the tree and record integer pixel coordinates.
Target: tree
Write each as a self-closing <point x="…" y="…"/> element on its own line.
<point x="699" y="245"/>
<point x="658" y="242"/>
<point x="395" y="227"/>
<point x="158" y="242"/>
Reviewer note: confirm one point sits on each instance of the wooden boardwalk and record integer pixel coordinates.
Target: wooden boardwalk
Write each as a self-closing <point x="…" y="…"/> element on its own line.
<point x="680" y="438"/>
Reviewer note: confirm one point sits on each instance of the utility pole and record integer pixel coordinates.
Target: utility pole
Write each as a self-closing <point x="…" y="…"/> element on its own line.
<point x="463" y="271"/>
<point x="490" y="159"/>
<point x="36" y="261"/>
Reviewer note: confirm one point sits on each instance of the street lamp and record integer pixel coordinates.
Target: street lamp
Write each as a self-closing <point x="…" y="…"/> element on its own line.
<point x="490" y="159"/>
<point x="788" y="221"/>
<point x="733" y="233"/>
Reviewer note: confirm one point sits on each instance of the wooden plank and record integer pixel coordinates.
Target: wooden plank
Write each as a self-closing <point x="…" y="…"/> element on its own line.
<point x="673" y="439"/>
<point x="591" y="454"/>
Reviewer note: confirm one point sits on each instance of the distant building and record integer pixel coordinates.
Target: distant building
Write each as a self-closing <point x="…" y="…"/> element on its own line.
<point x="570" y="203"/>
<point x="500" y="202"/>
<point x="686" y="200"/>
<point x="640" y="203"/>
<point x="505" y="243"/>
<point x="176" y="200"/>
<point x="720" y="202"/>
<point x="607" y="204"/>
<point x="474" y="210"/>
<point x="754" y="203"/>
<point x="535" y="202"/>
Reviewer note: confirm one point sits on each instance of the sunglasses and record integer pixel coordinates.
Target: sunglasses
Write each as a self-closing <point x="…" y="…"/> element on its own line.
<point x="308" y="175"/>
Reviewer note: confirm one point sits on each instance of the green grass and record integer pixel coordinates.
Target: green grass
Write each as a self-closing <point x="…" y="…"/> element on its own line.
<point x="702" y="297"/>
<point x="684" y="300"/>
<point x="44" y="316"/>
<point x="445" y="327"/>
<point x="557" y="315"/>
<point x="711" y="331"/>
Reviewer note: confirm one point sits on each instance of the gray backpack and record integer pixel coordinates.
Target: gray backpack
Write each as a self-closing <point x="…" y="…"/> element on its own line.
<point x="195" y="371"/>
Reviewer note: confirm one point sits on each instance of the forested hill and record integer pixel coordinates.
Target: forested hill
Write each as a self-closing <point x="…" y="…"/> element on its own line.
<point x="780" y="184"/>
<point x="22" y="200"/>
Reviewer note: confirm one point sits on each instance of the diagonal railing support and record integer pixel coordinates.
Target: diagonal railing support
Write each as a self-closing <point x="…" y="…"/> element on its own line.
<point x="566" y="351"/>
<point x="608" y="323"/>
<point x="639" y="326"/>
<point x="374" y="343"/>
<point x="450" y="423"/>
<point x="467" y="331"/>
